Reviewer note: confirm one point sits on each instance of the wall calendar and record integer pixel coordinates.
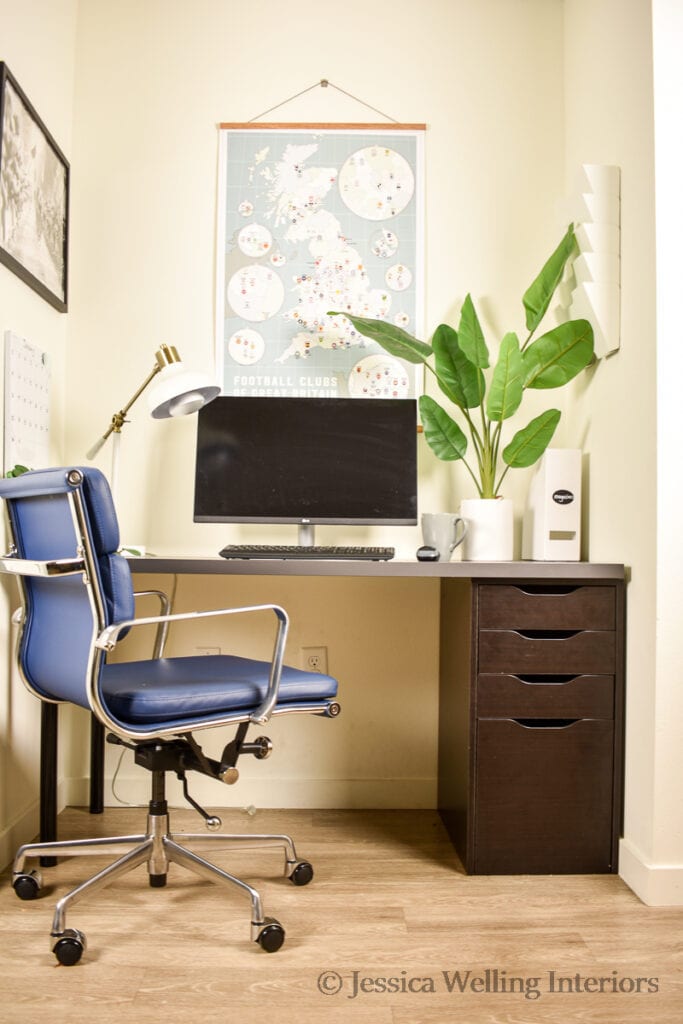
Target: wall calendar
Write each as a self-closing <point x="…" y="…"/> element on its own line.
<point x="27" y="404"/>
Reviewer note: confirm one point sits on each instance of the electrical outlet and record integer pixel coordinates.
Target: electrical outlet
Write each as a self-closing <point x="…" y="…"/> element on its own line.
<point x="314" y="659"/>
<point x="207" y="650"/>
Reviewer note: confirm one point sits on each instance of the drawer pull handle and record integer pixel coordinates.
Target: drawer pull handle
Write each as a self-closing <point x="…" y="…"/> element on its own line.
<point x="548" y="680"/>
<point x="546" y="723"/>
<point x="548" y="634"/>
<point x="547" y="589"/>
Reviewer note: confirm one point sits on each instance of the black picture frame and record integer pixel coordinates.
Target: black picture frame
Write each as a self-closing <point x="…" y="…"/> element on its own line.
<point x="34" y="197"/>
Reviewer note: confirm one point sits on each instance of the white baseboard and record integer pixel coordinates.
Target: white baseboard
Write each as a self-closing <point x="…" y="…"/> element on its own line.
<point x="21" y="830"/>
<point x="657" y="885"/>
<point x="25" y="827"/>
<point x="302" y="793"/>
<point x="250" y="794"/>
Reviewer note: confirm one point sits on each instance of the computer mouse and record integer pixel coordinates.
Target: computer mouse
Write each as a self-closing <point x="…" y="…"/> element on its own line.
<point x="427" y="554"/>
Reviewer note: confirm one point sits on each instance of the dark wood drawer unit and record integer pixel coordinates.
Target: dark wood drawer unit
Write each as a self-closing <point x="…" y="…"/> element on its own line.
<point x="538" y="650"/>
<point x="512" y="696"/>
<point x="539" y="683"/>
<point x="538" y="606"/>
<point x="544" y="796"/>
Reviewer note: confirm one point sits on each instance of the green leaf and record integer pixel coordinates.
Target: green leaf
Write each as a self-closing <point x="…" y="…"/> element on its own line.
<point x="556" y="357"/>
<point x="471" y="336"/>
<point x="393" y="340"/>
<point x="443" y="434"/>
<point x="529" y="443"/>
<point x="459" y="379"/>
<point x="507" y="386"/>
<point x="537" y="297"/>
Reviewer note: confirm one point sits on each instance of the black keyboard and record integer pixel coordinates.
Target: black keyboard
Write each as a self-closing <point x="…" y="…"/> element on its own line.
<point x="376" y="554"/>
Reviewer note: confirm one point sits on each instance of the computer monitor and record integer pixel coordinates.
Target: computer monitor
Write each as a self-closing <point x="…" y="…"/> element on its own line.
<point x="307" y="461"/>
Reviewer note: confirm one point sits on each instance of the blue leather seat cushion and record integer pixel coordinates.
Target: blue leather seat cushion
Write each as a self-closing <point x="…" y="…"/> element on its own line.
<point x="173" y="689"/>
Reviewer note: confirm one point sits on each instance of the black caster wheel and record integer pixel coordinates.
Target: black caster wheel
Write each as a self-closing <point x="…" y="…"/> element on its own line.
<point x="69" y="947"/>
<point x="271" y="936"/>
<point x="27" y="885"/>
<point x="302" y="873"/>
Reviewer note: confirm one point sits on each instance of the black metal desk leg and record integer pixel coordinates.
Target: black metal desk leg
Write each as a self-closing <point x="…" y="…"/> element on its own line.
<point x="96" y="766"/>
<point x="48" y="778"/>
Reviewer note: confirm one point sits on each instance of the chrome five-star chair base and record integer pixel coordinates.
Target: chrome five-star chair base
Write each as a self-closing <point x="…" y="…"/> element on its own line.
<point x="157" y="848"/>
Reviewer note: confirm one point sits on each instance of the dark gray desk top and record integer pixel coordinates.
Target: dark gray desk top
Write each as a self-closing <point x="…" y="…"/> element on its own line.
<point x="510" y="571"/>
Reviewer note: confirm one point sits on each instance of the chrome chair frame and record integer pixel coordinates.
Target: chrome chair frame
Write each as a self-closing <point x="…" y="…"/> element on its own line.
<point x="157" y="847"/>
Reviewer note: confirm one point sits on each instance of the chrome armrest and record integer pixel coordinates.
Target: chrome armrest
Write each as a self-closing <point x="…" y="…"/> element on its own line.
<point x="108" y="639"/>
<point x="29" y="567"/>
<point x="162" y="627"/>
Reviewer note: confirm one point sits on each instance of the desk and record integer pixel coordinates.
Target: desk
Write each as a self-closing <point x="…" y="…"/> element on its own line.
<point x="502" y="571"/>
<point x="530" y="703"/>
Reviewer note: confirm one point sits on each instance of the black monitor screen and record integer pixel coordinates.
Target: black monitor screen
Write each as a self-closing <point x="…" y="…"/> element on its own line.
<point x="323" y="460"/>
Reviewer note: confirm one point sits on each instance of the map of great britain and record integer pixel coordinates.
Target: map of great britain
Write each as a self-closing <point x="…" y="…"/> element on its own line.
<point x="305" y="234"/>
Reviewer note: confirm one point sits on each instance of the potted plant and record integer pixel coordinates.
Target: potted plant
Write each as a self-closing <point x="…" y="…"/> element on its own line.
<point x="458" y="358"/>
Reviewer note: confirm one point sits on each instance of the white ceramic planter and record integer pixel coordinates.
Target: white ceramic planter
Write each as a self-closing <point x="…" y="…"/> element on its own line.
<point x="490" y="529"/>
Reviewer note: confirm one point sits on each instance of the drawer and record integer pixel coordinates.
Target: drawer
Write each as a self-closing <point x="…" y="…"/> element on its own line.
<point x="546" y="606"/>
<point x="587" y="651"/>
<point x="510" y="696"/>
<point x="544" y="797"/>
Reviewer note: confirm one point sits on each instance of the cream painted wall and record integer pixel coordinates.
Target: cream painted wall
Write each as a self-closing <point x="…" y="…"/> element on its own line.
<point x="37" y="41"/>
<point x="667" y="840"/>
<point x="146" y="149"/>
<point x="516" y="93"/>
<point x="153" y="81"/>
<point x="616" y="410"/>
<point x="382" y="638"/>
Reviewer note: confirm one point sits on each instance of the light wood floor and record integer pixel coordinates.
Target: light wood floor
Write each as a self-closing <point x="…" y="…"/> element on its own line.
<point x="389" y="901"/>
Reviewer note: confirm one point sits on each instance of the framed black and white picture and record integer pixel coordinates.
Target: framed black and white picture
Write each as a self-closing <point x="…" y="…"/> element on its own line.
<point x="34" y="196"/>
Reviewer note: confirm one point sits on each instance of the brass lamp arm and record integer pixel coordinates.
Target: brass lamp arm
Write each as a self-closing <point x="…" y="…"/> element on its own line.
<point x="165" y="357"/>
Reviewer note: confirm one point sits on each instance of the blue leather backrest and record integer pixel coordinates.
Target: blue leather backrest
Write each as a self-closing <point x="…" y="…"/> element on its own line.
<point x="59" y="620"/>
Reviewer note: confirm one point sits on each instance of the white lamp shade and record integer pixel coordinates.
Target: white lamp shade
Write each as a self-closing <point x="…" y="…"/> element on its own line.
<point x="176" y="391"/>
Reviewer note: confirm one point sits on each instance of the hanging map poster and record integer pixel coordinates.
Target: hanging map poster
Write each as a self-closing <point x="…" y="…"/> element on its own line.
<point x="312" y="219"/>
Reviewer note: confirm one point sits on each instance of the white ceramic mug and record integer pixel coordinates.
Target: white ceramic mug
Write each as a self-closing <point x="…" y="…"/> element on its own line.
<point x="443" y="531"/>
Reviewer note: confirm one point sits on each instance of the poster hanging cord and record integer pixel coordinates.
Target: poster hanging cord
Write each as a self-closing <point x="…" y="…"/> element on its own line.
<point x="323" y="83"/>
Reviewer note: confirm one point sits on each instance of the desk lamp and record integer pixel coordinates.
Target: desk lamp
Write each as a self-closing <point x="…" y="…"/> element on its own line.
<point x="175" y="391"/>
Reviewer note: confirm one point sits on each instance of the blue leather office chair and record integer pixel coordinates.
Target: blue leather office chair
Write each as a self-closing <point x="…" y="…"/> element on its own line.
<point x="78" y="603"/>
